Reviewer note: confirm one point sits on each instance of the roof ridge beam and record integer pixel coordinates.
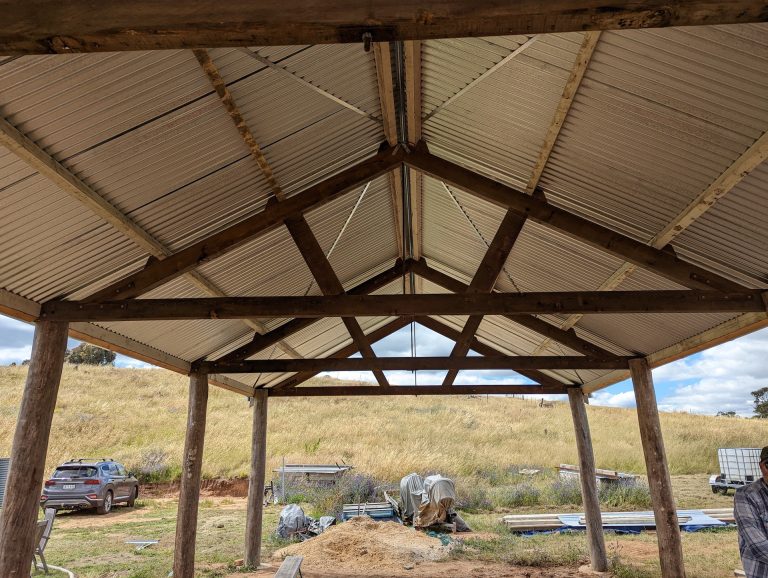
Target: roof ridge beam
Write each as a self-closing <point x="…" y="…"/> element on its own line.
<point x="328" y="282"/>
<point x="664" y="263"/>
<point x="598" y="302"/>
<point x="157" y="273"/>
<point x="567" y="338"/>
<point x="485" y="279"/>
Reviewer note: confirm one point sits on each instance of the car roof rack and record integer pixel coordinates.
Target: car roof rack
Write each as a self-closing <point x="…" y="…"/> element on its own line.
<point x="81" y="460"/>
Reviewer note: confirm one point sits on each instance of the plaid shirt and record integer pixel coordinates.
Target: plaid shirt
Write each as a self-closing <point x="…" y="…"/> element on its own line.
<point x="751" y="511"/>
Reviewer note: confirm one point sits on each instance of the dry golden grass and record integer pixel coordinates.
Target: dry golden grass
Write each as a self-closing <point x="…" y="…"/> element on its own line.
<point x="132" y="414"/>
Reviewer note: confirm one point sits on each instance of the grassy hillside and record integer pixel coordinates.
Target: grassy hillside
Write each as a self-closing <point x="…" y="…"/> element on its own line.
<point x="138" y="417"/>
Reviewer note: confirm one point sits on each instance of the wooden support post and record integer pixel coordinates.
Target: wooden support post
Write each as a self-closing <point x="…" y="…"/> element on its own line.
<point x="667" y="527"/>
<point x="189" y="494"/>
<point x="30" y="444"/>
<point x="589" y="495"/>
<point x="256" y="480"/>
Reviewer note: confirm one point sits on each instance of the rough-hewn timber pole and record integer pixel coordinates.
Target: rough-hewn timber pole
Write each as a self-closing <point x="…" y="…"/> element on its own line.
<point x="256" y="480"/>
<point x="589" y="495"/>
<point x="667" y="528"/>
<point x="30" y="444"/>
<point x="189" y="494"/>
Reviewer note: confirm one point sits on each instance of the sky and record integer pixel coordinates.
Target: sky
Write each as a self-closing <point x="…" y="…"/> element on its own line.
<point x="718" y="379"/>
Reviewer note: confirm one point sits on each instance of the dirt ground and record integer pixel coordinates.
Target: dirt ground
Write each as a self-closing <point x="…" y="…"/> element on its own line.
<point x="457" y="568"/>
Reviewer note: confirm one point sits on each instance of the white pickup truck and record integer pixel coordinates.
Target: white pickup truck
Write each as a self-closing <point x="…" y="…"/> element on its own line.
<point x="738" y="467"/>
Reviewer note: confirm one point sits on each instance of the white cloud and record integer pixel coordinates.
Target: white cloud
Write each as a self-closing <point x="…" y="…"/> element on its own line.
<point x="14" y="354"/>
<point x="621" y="399"/>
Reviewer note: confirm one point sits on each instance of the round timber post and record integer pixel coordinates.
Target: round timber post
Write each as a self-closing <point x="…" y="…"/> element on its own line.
<point x="589" y="491"/>
<point x="255" y="506"/>
<point x="189" y="493"/>
<point x="659" y="482"/>
<point x="30" y="445"/>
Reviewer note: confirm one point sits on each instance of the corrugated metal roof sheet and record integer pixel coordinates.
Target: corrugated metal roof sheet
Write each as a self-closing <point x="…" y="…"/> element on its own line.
<point x="659" y="115"/>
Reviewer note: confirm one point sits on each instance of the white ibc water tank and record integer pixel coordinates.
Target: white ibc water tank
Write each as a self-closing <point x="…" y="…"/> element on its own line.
<point x="5" y="465"/>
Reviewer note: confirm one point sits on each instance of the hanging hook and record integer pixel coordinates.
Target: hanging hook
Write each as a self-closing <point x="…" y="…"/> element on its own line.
<point x="367" y="40"/>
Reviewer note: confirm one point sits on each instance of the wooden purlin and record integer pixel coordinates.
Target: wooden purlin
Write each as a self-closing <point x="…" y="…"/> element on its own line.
<point x="50" y="26"/>
<point x="328" y="282"/>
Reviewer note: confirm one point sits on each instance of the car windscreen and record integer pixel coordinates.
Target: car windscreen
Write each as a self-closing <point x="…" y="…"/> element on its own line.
<point x="71" y="472"/>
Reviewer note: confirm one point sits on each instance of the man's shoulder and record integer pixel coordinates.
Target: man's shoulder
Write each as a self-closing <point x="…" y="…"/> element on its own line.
<point x="753" y="488"/>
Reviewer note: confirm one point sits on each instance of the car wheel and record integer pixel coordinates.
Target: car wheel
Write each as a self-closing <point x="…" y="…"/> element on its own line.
<point x="106" y="505"/>
<point x="724" y="491"/>
<point x="132" y="500"/>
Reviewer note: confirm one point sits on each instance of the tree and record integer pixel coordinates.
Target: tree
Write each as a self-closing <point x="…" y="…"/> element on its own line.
<point x="726" y="414"/>
<point x="89" y="355"/>
<point x="761" y="402"/>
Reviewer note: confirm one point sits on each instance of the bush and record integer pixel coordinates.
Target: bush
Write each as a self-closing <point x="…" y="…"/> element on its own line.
<point x="517" y="495"/>
<point x="565" y="491"/>
<point x="154" y="466"/>
<point x="630" y="494"/>
<point x="472" y="497"/>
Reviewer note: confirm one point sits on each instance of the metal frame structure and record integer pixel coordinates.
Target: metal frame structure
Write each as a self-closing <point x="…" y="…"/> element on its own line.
<point x="419" y="160"/>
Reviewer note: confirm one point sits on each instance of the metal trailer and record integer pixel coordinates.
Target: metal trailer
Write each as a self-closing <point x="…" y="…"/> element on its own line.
<point x="5" y="466"/>
<point x="738" y="467"/>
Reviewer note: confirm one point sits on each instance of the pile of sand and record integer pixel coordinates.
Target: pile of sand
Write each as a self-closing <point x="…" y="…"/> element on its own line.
<point x="365" y="545"/>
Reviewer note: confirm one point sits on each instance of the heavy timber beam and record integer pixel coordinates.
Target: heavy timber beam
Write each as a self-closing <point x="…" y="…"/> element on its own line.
<point x="661" y="262"/>
<point x="659" y="482"/>
<point x="418" y="390"/>
<point x="567" y="338"/>
<point x="476" y="345"/>
<point x="47" y="26"/>
<point x="261" y="342"/>
<point x="156" y="273"/>
<point x="30" y="443"/>
<point x="484" y="280"/>
<point x="417" y="364"/>
<point x="345" y="351"/>
<point x="408" y="305"/>
<point x="191" y="467"/>
<point x="329" y="283"/>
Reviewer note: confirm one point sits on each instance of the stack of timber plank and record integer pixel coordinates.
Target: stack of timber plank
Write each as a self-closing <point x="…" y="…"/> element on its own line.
<point x="544" y="522"/>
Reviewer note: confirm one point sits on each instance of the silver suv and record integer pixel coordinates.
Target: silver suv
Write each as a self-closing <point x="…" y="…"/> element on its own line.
<point x="88" y="483"/>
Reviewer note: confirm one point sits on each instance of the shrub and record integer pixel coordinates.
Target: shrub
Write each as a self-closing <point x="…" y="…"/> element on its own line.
<point x="517" y="495"/>
<point x="472" y="497"/>
<point x="629" y="494"/>
<point x="565" y="491"/>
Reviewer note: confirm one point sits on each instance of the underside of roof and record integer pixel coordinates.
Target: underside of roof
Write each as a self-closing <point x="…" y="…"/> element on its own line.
<point x="657" y="134"/>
